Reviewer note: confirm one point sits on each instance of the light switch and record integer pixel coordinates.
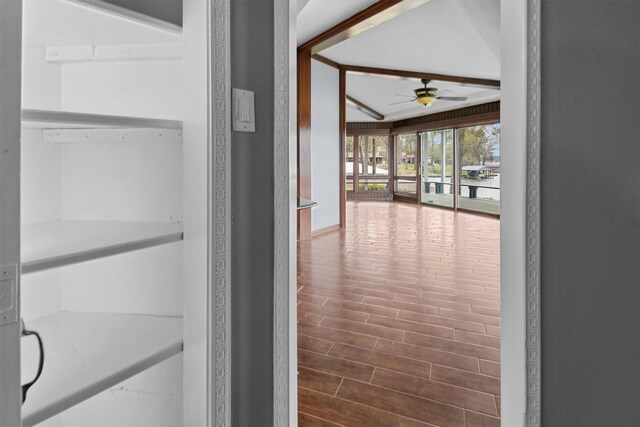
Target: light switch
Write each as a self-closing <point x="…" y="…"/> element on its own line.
<point x="244" y="112"/>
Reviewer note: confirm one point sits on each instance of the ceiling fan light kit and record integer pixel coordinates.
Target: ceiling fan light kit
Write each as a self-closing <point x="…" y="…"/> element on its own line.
<point x="425" y="100"/>
<point x="426" y="95"/>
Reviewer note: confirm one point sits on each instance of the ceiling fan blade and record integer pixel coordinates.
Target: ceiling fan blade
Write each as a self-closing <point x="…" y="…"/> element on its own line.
<point x="403" y="102"/>
<point x="406" y="96"/>
<point x="452" y="98"/>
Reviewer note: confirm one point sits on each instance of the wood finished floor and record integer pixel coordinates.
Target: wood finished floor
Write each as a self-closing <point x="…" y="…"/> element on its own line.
<point x="399" y="320"/>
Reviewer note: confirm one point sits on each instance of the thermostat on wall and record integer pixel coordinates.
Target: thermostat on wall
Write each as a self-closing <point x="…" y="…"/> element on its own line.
<point x="244" y="112"/>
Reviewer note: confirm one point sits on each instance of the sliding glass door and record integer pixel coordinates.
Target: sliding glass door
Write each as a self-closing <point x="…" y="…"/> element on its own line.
<point x="479" y="171"/>
<point x="437" y="167"/>
<point x="457" y="168"/>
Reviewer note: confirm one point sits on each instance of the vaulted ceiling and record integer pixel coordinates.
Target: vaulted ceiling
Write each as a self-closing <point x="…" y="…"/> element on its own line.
<point x="451" y="37"/>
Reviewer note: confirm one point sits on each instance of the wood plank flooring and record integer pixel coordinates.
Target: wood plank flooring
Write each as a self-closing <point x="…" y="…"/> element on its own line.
<point x="399" y="320"/>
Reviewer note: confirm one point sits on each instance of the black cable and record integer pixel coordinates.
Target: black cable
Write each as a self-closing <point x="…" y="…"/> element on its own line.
<point x="27" y="386"/>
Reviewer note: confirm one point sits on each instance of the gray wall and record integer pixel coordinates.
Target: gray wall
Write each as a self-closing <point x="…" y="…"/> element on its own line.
<point x="167" y="10"/>
<point x="252" y="218"/>
<point x="590" y="213"/>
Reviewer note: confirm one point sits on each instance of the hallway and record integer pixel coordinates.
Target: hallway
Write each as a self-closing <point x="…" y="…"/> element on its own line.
<point x="399" y="319"/>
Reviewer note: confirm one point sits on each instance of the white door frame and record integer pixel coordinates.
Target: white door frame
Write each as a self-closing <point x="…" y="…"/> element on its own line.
<point x="207" y="213"/>
<point x="520" y="214"/>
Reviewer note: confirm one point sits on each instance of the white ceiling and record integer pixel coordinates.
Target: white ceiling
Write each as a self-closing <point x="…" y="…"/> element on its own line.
<point x="378" y="92"/>
<point x="318" y="16"/>
<point x="453" y="37"/>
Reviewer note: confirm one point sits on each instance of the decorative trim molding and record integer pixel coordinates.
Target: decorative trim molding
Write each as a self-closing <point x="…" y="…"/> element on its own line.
<point x="219" y="342"/>
<point x="533" y="328"/>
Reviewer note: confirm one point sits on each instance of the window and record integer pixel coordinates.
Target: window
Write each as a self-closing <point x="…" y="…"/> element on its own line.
<point x="349" y="156"/>
<point x="406" y="154"/>
<point x="374" y="156"/>
<point x="367" y="163"/>
<point x="406" y="158"/>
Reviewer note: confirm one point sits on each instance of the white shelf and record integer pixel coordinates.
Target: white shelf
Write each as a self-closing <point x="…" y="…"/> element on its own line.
<point x="86" y="353"/>
<point x="44" y="119"/>
<point x="92" y="22"/>
<point x="55" y="244"/>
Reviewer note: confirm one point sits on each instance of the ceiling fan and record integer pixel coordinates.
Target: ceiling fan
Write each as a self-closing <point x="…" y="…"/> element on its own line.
<point x="427" y="95"/>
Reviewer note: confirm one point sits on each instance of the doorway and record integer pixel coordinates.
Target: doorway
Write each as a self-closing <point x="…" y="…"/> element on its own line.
<point x="516" y="383"/>
<point x="400" y="283"/>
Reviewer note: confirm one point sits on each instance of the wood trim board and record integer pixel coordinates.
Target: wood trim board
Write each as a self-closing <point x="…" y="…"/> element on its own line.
<point x="342" y="108"/>
<point x="374" y="15"/>
<point x="304" y="142"/>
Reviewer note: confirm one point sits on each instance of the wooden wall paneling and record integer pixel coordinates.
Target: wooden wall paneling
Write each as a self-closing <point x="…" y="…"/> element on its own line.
<point x="461" y="117"/>
<point x="343" y="131"/>
<point x="381" y="132"/>
<point x="467" y="116"/>
<point x="369" y="128"/>
<point x="304" y="142"/>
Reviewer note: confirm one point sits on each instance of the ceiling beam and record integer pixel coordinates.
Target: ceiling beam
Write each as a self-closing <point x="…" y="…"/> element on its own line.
<point x="327" y="61"/>
<point x="374" y="15"/>
<point x="365" y="108"/>
<point x="470" y="81"/>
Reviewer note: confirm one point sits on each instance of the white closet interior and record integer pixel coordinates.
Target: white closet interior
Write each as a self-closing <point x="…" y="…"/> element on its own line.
<point x="102" y="192"/>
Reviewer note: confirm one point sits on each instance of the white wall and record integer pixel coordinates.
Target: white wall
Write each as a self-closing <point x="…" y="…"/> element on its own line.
<point x="138" y="88"/>
<point x="325" y="146"/>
